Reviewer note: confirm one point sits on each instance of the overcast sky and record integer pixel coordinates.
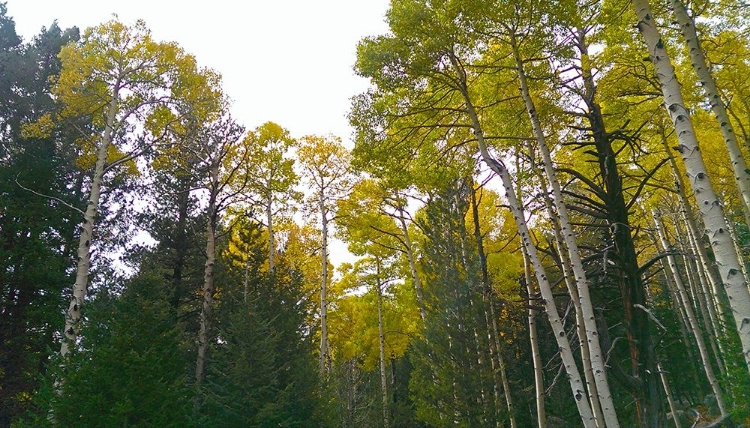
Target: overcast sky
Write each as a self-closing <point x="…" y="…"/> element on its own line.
<point x="287" y="61"/>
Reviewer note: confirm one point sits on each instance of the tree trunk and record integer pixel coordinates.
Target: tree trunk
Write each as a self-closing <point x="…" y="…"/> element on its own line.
<point x="269" y="223"/>
<point x="208" y="280"/>
<point x="566" y="353"/>
<point x="587" y="307"/>
<point x="710" y="205"/>
<point x="565" y="267"/>
<point x="694" y="326"/>
<point x="670" y="398"/>
<point x="83" y="265"/>
<point x="324" y="357"/>
<point x="700" y="65"/>
<point x="381" y="343"/>
<point x="488" y="293"/>
<point x="536" y="357"/>
<point x="690" y="218"/>
<point x="412" y="266"/>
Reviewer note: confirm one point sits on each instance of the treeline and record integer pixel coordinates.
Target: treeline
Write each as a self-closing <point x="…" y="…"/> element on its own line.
<point x="549" y="202"/>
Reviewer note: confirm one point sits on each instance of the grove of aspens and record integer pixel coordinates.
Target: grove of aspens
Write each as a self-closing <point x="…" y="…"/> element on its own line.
<point x="548" y="204"/>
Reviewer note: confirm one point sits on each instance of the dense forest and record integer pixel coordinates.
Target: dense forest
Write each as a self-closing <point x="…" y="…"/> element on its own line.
<point x="548" y="203"/>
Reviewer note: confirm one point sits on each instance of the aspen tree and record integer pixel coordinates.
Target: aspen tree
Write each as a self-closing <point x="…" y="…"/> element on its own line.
<point x="693" y="322"/>
<point x="711" y="210"/>
<point x="708" y="83"/>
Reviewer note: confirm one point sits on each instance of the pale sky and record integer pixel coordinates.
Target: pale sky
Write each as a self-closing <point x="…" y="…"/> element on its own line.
<point x="287" y="61"/>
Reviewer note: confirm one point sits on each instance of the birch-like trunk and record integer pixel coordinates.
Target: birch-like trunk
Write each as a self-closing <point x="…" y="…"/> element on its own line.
<point x="536" y="356"/>
<point x="696" y="281"/>
<point x="604" y="394"/>
<point x="381" y="344"/>
<point x="710" y="205"/>
<point x="324" y="357"/>
<point x="694" y="326"/>
<point x="569" y="280"/>
<point x="668" y="393"/>
<point x="488" y="293"/>
<point x="83" y="265"/>
<point x="700" y="65"/>
<point x="271" y="242"/>
<point x="566" y="353"/>
<point x="690" y="218"/>
<point x="208" y="279"/>
<point x="412" y="266"/>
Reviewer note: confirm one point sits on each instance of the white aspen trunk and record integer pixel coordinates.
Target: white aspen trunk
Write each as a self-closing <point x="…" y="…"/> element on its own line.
<point x="324" y="357"/>
<point x="412" y="266"/>
<point x="566" y="352"/>
<point x="569" y="279"/>
<point x="679" y="310"/>
<point x="670" y="398"/>
<point x="83" y="264"/>
<point x="604" y="394"/>
<point x="536" y="357"/>
<point x="208" y="280"/>
<point x="381" y="343"/>
<point x="713" y="96"/>
<point x="696" y="281"/>
<point x="501" y="367"/>
<point x="269" y="222"/>
<point x="689" y="216"/>
<point x="694" y="326"/>
<point x="710" y="205"/>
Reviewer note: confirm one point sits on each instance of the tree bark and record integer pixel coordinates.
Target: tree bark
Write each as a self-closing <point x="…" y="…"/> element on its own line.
<point x="566" y="353"/>
<point x="592" y="335"/>
<point x="381" y="344"/>
<point x="269" y="222"/>
<point x="569" y="279"/>
<point x="412" y="266"/>
<point x="323" y="363"/>
<point x="694" y="326"/>
<point x="208" y="280"/>
<point x="700" y="65"/>
<point x="536" y="357"/>
<point x="488" y="293"/>
<point x="710" y="205"/>
<point x="83" y="265"/>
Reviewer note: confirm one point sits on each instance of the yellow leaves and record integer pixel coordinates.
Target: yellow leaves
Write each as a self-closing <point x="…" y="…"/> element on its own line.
<point x="42" y="128"/>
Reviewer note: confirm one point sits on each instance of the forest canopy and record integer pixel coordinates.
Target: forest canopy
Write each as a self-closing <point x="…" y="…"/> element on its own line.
<point x="547" y="204"/>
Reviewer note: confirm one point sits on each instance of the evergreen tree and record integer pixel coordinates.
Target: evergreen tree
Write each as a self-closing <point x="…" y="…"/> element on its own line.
<point x="262" y="371"/>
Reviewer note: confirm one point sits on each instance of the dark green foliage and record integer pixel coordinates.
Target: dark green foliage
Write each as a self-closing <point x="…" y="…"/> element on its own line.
<point x="451" y="382"/>
<point x="261" y="371"/>
<point x="36" y="233"/>
<point x="130" y="369"/>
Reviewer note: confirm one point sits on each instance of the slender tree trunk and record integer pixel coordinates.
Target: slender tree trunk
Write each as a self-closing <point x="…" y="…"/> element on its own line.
<point x="670" y="398"/>
<point x="324" y="356"/>
<point x="271" y="242"/>
<point x="700" y="65"/>
<point x="83" y="265"/>
<point x="381" y="343"/>
<point x="566" y="352"/>
<point x="710" y="205"/>
<point x="694" y="326"/>
<point x="208" y="281"/>
<point x="488" y="293"/>
<point x="412" y="266"/>
<point x="690" y="217"/>
<point x="587" y="307"/>
<point x="536" y="357"/>
<point x="565" y="265"/>
<point x="696" y="283"/>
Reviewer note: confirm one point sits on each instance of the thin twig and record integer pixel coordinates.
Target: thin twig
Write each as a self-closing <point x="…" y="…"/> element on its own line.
<point x="49" y="197"/>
